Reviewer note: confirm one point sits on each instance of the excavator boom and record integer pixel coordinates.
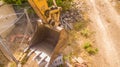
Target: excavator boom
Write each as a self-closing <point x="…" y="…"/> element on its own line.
<point x="49" y="15"/>
<point x="47" y="39"/>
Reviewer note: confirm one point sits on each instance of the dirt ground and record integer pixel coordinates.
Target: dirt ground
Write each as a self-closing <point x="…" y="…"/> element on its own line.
<point x="105" y="22"/>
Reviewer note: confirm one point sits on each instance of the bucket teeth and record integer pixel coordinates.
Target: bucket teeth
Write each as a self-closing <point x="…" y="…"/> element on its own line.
<point x="41" y="58"/>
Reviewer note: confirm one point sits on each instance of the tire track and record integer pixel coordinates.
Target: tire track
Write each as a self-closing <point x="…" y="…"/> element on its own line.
<point x="107" y="46"/>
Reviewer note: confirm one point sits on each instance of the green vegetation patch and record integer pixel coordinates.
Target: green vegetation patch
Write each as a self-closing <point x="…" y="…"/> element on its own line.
<point x="85" y="32"/>
<point x="89" y="48"/>
<point x="87" y="45"/>
<point x="79" y="25"/>
<point x="65" y="4"/>
<point x="17" y="2"/>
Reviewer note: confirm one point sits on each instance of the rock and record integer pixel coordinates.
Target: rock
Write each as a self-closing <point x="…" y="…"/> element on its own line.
<point x="71" y="16"/>
<point x="80" y="62"/>
<point x="80" y="65"/>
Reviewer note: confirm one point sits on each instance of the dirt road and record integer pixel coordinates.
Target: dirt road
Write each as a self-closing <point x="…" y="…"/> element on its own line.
<point x="106" y="22"/>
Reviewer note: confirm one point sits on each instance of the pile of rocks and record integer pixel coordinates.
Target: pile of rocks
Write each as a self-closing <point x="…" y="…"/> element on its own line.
<point x="71" y="16"/>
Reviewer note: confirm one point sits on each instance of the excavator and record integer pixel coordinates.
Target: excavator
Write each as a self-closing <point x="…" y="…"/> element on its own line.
<point x="50" y="36"/>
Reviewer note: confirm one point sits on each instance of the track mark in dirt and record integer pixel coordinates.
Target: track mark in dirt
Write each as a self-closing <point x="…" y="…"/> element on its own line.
<point x="107" y="46"/>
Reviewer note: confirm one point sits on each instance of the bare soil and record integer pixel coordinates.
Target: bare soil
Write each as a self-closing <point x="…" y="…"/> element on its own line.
<point x="105" y="20"/>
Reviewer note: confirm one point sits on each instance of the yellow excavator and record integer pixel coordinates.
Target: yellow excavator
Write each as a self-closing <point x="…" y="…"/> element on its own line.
<point x="49" y="37"/>
<point x="49" y="15"/>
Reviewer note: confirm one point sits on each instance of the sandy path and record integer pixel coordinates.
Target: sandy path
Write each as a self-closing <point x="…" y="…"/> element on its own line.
<point x="107" y="26"/>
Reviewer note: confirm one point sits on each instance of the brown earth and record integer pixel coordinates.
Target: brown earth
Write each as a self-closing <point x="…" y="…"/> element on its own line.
<point x="105" y="20"/>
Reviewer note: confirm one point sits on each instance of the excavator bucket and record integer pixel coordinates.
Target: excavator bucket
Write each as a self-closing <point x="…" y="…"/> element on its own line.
<point x="49" y="41"/>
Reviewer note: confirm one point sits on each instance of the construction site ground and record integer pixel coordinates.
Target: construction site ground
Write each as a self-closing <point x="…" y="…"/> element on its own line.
<point x="97" y="15"/>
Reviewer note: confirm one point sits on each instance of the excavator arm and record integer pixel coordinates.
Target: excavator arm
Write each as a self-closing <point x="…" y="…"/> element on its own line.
<point x="49" y="15"/>
<point x="47" y="39"/>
